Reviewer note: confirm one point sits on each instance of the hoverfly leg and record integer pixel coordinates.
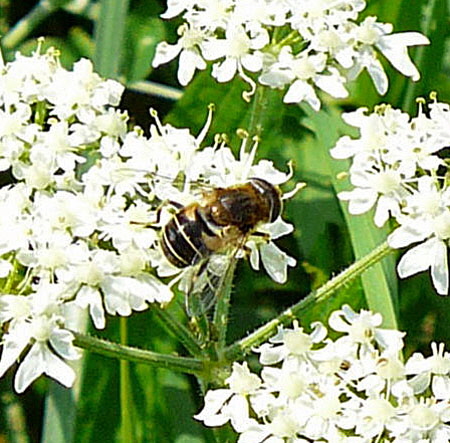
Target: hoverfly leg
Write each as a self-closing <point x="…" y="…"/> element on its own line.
<point x="162" y="205"/>
<point x="262" y="235"/>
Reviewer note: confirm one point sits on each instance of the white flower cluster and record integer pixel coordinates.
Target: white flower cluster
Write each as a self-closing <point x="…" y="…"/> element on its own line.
<point x="399" y="168"/>
<point x="353" y="389"/>
<point x="77" y="227"/>
<point x="301" y="45"/>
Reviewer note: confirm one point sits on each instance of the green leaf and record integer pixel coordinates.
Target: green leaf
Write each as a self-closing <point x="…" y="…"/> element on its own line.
<point x="109" y="33"/>
<point x="142" y="36"/>
<point x="59" y="416"/>
<point x="69" y="54"/>
<point x="379" y="282"/>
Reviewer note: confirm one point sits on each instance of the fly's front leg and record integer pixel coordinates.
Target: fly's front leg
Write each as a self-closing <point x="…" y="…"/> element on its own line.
<point x="158" y="212"/>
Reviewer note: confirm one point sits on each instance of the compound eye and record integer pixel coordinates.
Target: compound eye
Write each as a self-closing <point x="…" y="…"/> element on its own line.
<point x="271" y="193"/>
<point x="275" y="208"/>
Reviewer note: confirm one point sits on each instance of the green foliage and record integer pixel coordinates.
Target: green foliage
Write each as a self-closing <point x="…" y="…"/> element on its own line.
<point x="121" y="38"/>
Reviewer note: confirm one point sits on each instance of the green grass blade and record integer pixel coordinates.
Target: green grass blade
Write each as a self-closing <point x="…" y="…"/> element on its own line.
<point x="109" y="35"/>
<point x="379" y="282"/>
<point x="59" y="416"/>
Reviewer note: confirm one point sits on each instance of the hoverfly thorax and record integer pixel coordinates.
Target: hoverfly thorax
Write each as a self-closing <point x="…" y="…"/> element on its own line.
<point x="245" y="206"/>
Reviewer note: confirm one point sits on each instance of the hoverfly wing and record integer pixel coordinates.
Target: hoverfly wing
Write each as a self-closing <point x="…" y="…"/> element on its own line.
<point x="206" y="283"/>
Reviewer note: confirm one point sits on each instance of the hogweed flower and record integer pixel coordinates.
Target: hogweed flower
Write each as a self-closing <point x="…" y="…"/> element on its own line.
<point x="399" y="170"/>
<point x="302" y="46"/>
<point x="353" y="388"/>
<point x="78" y="226"/>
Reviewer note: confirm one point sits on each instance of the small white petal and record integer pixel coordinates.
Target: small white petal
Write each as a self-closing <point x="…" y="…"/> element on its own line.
<point x="62" y="342"/>
<point x="417" y="259"/>
<point x="189" y="61"/>
<point x="406" y="234"/>
<point x="214" y="401"/>
<point x="395" y="48"/>
<point x="378" y="75"/>
<point x="332" y="84"/>
<point x="276" y="261"/>
<point x="360" y="200"/>
<point x="439" y="268"/>
<point x="40" y="360"/>
<point x="252" y="62"/>
<point x="225" y="71"/>
<point x="237" y="409"/>
<point x="13" y="344"/>
<point x="165" y="53"/>
<point x="299" y="91"/>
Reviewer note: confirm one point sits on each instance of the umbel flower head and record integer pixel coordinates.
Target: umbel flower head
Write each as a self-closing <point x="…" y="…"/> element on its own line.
<point x="300" y="46"/>
<point x="78" y="230"/>
<point x="352" y="389"/>
<point x="399" y="170"/>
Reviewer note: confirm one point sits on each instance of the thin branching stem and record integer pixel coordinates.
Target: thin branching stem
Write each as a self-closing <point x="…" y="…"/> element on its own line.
<point x="23" y="28"/>
<point x="179" y="331"/>
<point x="115" y="350"/>
<point x="243" y="346"/>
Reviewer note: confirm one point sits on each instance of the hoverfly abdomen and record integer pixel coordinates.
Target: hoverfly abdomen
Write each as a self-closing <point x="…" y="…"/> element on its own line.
<point x="183" y="237"/>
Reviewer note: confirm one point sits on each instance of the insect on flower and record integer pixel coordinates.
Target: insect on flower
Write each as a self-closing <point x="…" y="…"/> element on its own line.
<point x="208" y="234"/>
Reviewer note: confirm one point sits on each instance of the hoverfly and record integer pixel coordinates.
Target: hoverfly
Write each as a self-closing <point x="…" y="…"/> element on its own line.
<point x="208" y="234"/>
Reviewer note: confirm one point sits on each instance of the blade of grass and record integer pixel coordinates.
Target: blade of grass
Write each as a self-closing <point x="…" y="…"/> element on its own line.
<point x="59" y="418"/>
<point x="379" y="282"/>
<point x="109" y="35"/>
<point x="127" y="425"/>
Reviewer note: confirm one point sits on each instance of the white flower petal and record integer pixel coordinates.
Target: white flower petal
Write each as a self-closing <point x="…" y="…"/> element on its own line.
<point x="13" y="344"/>
<point x="164" y="53"/>
<point x="189" y="61"/>
<point x="214" y="401"/>
<point x="378" y="75"/>
<point x="276" y="261"/>
<point x="417" y="259"/>
<point x="299" y="91"/>
<point x="332" y="84"/>
<point x="252" y="62"/>
<point x="223" y="72"/>
<point x="62" y="342"/>
<point x="439" y="268"/>
<point x="395" y="48"/>
<point x="360" y="200"/>
<point x="406" y="234"/>
<point x="238" y="410"/>
<point x="40" y="360"/>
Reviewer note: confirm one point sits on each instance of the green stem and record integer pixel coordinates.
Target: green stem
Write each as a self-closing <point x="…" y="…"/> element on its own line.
<point x="255" y="126"/>
<point x="109" y="35"/>
<point x="114" y="350"/>
<point x="242" y="347"/>
<point x="221" y="313"/>
<point x="156" y="89"/>
<point x="179" y="331"/>
<point x="11" y="277"/>
<point x="27" y="24"/>
<point x="126" y="402"/>
<point x="427" y="23"/>
<point x="4" y="16"/>
<point x="290" y="39"/>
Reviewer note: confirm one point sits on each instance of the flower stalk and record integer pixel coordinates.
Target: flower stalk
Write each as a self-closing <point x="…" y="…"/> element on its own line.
<point x="235" y="351"/>
<point x="244" y="346"/>
<point x="115" y="350"/>
<point x="30" y="22"/>
<point x="179" y="331"/>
